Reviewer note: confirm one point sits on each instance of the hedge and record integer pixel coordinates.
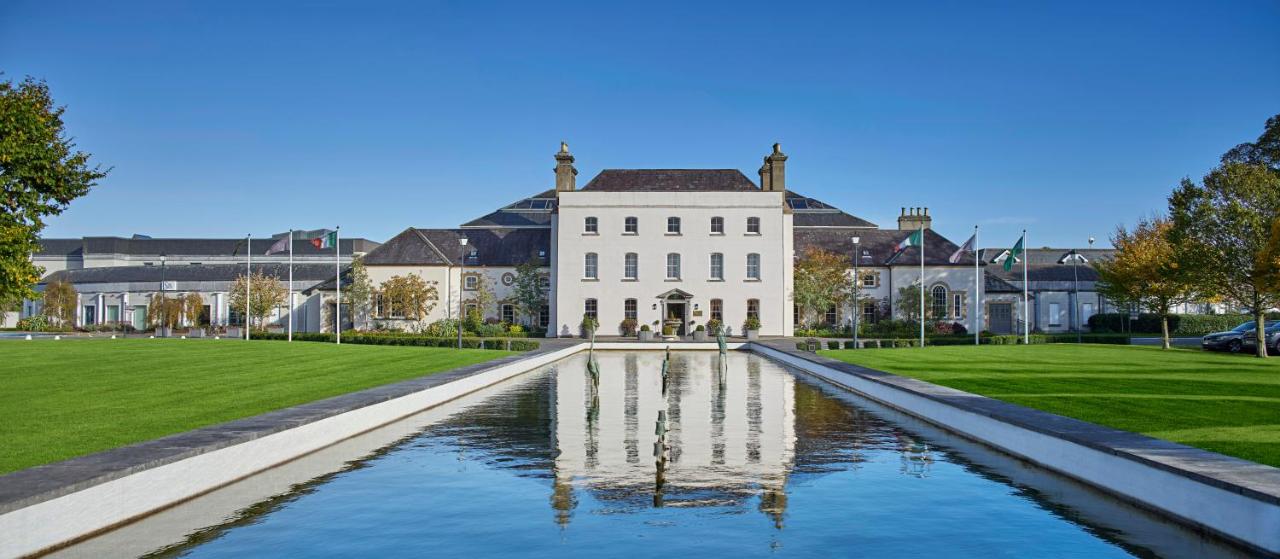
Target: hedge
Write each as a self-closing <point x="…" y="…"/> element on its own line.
<point x="1179" y="324"/>
<point x="514" y="344"/>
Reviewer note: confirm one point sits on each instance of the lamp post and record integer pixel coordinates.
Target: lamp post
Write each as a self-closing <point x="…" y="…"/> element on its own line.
<point x="1075" y="288"/>
<point x="462" y="286"/>
<point x="857" y="255"/>
<point x="162" y="312"/>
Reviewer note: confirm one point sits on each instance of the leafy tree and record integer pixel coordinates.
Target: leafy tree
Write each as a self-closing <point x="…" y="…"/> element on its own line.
<point x="1265" y="151"/>
<point x="908" y="303"/>
<point x="527" y="291"/>
<point x="360" y="292"/>
<point x="482" y="296"/>
<point x="192" y="308"/>
<point x="1147" y="270"/>
<point x="60" y="302"/>
<point x="409" y="296"/>
<point x="266" y="293"/>
<point x="164" y="312"/>
<point x="40" y="174"/>
<point x="821" y="282"/>
<point x="1224" y="225"/>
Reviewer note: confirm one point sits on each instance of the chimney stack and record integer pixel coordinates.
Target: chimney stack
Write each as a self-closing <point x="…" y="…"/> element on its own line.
<point x="566" y="175"/>
<point x="914" y="218"/>
<point x="773" y="175"/>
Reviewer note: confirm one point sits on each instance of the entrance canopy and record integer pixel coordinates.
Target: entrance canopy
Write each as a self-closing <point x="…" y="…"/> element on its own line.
<point x="676" y="295"/>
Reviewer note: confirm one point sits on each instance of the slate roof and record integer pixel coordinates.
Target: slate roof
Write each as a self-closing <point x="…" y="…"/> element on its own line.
<point x="189" y="272"/>
<point x="187" y="247"/>
<point x="993" y="284"/>
<point x="534" y="211"/>
<point x="878" y="245"/>
<point x="1052" y="255"/>
<point x="491" y="247"/>
<point x="1045" y="273"/>
<point x="671" y="180"/>
<point x="60" y="247"/>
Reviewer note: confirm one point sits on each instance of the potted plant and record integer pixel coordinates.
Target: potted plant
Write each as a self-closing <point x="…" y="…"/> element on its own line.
<point x="628" y="327"/>
<point x="713" y="326"/>
<point x="589" y="325"/>
<point x="646" y="335"/>
<point x="752" y="327"/>
<point x="700" y="334"/>
<point x="668" y="331"/>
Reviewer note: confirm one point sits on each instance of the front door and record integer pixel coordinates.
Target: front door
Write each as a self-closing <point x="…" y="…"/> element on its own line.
<point x="140" y="317"/>
<point x="1001" y="318"/>
<point x="675" y="312"/>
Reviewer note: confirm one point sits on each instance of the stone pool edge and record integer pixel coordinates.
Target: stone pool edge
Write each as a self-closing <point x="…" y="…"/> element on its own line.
<point x="1231" y="498"/>
<point x="48" y="507"/>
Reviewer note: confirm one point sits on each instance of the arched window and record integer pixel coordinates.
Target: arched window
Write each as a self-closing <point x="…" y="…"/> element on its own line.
<point x="938" y="304"/>
<point x="591" y="266"/>
<point x="753" y="266"/>
<point x="717" y="266"/>
<point x="673" y="266"/>
<point x="591" y="226"/>
<point x="753" y="226"/>
<point x="631" y="266"/>
<point x="717" y="226"/>
<point x="630" y="226"/>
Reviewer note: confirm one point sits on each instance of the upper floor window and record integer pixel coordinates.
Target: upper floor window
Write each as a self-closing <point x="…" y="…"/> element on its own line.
<point x="717" y="226"/>
<point x="469" y="283"/>
<point x="631" y="266"/>
<point x="631" y="226"/>
<point x="591" y="225"/>
<point x="591" y="266"/>
<point x="938" y="306"/>
<point x="717" y="266"/>
<point x="673" y="226"/>
<point x="868" y="280"/>
<point x="753" y="226"/>
<point x="673" y="266"/>
<point x="753" y="266"/>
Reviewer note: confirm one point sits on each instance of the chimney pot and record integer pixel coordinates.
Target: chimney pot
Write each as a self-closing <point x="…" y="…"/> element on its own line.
<point x="566" y="174"/>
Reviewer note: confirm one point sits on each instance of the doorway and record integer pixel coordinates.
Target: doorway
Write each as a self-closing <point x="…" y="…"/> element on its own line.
<point x="676" y="316"/>
<point x="1001" y="317"/>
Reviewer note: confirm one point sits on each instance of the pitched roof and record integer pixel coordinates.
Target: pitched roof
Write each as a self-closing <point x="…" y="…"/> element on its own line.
<point x="1046" y="272"/>
<point x="188" y="272"/>
<point x="440" y="247"/>
<point x="879" y="246"/>
<point x="671" y="180"/>
<point x="187" y="247"/>
<point x="408" y="248"/>
<point x="534" y="211"/>
<point x="811" y="212"/>
<point x="1052" y="255"/>
<point x="993" y="284"/>
<point x="60" y="247"/>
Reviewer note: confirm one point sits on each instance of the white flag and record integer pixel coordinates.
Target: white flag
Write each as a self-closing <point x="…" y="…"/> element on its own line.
<point x="966" y="247"/>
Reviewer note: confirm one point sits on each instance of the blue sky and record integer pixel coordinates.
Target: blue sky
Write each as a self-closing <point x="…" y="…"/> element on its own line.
<point x="226" y="118"/>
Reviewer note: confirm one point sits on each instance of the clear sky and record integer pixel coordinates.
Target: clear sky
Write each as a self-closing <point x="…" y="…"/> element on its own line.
<point x="225" y="118"/>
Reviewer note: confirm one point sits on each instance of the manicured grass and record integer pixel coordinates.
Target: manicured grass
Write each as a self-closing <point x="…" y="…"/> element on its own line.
<point x="60" y="399"/>
<point x="1216" y="401"/>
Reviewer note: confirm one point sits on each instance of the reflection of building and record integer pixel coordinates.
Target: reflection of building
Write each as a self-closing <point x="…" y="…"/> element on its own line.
<point x="728" y="442"/>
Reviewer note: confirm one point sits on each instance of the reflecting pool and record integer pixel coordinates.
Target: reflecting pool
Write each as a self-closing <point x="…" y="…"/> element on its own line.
<point x="751" y="460"/>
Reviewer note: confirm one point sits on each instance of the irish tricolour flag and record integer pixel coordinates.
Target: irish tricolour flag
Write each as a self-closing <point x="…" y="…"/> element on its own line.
<point x="327" y="240"/>
<point x="914" y="240"/>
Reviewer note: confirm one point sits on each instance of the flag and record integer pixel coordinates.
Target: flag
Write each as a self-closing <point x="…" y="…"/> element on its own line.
<point x="280" y="246"/>
<point x="966" y="247"/>
<point x="327" y="240"/>
<point x="1014" y="253"/>
<point x="912" y="241"/>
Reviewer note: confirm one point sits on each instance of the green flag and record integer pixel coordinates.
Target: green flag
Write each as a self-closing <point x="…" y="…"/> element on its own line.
<point x="912" y="241"/>
<point x="1013" y="255"/>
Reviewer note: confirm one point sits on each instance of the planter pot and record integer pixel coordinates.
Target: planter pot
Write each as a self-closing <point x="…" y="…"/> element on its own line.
<point x="196" y="334"/>
<point x="234" y="332"/>
<point x="753" y="334"/>
<point x="162" y="332"/>
<point x="699" y="335"/>
<point x="646" y="335"/>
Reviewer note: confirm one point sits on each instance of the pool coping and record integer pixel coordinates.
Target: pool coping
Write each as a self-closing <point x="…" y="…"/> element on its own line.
<point x="1251" y="480"/>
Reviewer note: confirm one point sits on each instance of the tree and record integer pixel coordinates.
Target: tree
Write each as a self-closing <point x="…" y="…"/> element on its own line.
<point x="908" y="303"/>
<point x="409" y="296"/>
<point x="821" y="282"/>
<point x="482" y="296"/>
<point x="527" y="291"/>
<point x="266" y="293"/>
<point x="1224" y="225"/>
<point x="1265" y="151"/>
<point x="193" y="308"/>
<point x="1147" y="270"/>
<point x="40" y="175"/>
<point x="360" y="292"/>
<point x="60" y="300"/>
<point x="164" y="312"/>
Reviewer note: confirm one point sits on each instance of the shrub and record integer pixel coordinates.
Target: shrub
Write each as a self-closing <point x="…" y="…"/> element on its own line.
<point x="36" y="323"/>
<point x="628" y="327"/>
<point x="490" y="330"/>
<point x="645" y="328"/>
<point x="751" y="323"/>
<point x="589" y="323"/>
<point x="515" y="329"/>
<point x="522" y="345"/>
<point x="668" y="330"/>
<point x="1179" y="324"/>
<point x="833" y="344"/>
<point x="699" y="329"/>
<point x="714" y="325"/>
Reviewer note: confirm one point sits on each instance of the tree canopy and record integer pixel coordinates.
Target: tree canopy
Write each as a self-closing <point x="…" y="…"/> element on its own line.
<point x="821" y="282"/>
<point x="265" y="293"/>
<point x="527" y="292"/>
<point x="1147" y="269"/>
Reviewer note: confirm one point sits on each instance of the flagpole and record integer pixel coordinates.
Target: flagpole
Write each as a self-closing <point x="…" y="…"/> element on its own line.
<point x="921" y="284"/>
<point x="1026" y="300"/>
<point x="977" y="287"/>
<point x="248" y="277"/>
<point x="291" y="285"/>
<point x="337" y="279"/>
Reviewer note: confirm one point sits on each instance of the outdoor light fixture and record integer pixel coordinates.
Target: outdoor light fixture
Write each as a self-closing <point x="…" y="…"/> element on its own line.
<point x="853" y="306"/>
<point x="462" y="264"/>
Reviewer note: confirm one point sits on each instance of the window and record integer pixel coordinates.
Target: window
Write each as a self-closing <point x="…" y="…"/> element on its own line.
<point x="938" y="304"/>
<point x="591" y="266"/>
<point x="831" y="317"/>
<point x="591" y="226"/>
<point x="753" y="266"/>
<point x="868" y="280"/>
<point x="469" y="283"/>
<point x="753" y="308"/>
<point x="590" y="309"/>
<point x="629" y="309"/>
<point x="392" y="309"/>
<point x="673" y="266"/>
<point x="795" y="314"/>
<point x="1085" y="312"/>
<point x="717" y="226"/>
<point x="956" y="305"/>
<point x="717" y="310"/>
<point x="544" y="283"/>
<point x="631" y="266"/>
<point x="378" y="310"/>
<point x="508" y="313"/>
<point x="630" y="226"/>
<point x="673" y="226"/>
<point x="469" y="308"/>
<point x="753" y="226"/>
<point x="1055" y="311"/>
<point x="544" y="316"/>
<point x="717" y="266"/>
<point x="869" y="312"/>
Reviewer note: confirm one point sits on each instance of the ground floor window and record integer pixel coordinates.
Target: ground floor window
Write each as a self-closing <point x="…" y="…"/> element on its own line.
<point x="508" y="313"/>
<point x="831" y="317"/>
<point x="1055" y="310"/>
<point x="956" y="305"/>
<point x="629" y="309"/>
<point x="89" y="314"/>
<point x="590" y="309"/>
<point x="795" y="314"/>
<point x="869" y="312"/>
<point x="938" y="306"/>
<point x="544" y="316"/>
<point x="753" y="308"/>
<point x="468" y="309"/>
<point x="717" y="310"/>
<point x="379" y="311"/>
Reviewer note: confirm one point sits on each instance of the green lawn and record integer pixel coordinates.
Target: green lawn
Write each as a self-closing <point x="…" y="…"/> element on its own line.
<point x="1216" y="401"/>
<point x="60" y="399"/>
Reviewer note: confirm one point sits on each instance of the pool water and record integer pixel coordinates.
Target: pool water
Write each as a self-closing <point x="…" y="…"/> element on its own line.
<point x="755" y="461"/>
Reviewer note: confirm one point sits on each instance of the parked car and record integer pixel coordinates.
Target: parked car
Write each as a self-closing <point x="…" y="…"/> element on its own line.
<point x="1232" y="340"/>
<point x="1250" y="342"/>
